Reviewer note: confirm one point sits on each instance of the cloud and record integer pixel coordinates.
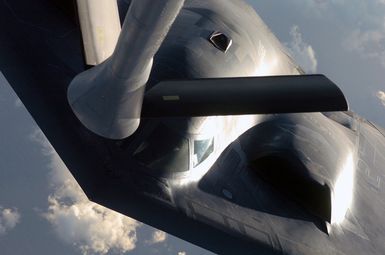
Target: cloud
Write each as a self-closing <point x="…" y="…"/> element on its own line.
<point x="182" y="253"/>
<point x="363" y="21"/>
<point x="369" y="44"/>
<point x="381" y="95"/>
<point x="360" y="24"/>
<point x="302" y="52"/>
<point x="9" y="218"/>
<point x="158" y="236"/>
<point x="88" y="226"/>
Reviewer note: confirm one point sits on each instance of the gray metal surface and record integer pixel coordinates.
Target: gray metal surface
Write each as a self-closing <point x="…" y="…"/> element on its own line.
<point x="107" y="99"/>
<point x="100" y="26"/>
<point x="227" y="203"/>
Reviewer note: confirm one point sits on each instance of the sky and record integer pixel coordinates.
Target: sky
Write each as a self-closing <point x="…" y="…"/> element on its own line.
<point x="43" y="211"/>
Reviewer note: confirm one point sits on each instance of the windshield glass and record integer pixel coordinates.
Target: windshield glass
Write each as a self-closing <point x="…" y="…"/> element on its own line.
<point x="164" y="151"/>
<point x="202" y="149"/>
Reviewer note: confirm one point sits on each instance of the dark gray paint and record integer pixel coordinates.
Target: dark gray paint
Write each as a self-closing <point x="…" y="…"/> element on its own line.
<point x="41" y="54"/>
<point x="245" y="95"/>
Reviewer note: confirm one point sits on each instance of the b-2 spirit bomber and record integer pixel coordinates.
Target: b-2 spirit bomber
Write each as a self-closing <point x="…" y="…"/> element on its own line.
<point x="192" y="118"/>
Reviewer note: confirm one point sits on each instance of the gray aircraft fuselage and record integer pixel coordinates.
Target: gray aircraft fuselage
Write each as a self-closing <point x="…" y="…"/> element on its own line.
<point x="307" y="183"/>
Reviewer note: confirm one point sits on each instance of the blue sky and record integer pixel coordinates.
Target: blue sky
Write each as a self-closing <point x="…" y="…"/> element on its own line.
<point x="43" y="211"/>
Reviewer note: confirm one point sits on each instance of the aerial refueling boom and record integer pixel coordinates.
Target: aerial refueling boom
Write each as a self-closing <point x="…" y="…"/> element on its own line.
<point x="107" y="98"/>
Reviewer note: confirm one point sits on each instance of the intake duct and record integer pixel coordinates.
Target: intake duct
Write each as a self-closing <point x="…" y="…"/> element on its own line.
<point x="108" y="98"/>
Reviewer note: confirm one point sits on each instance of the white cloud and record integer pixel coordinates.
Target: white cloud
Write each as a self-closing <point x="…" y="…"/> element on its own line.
<point x="9" y="218"/>
<point x="302" y="52"/>
<point x="369" y="44"/>
<point x="92" y="228"/>
<point x="88" y="226"/>
<point x="381" y="95"/>
<point x="363" y="21"/>
<point x="158" y="236"/>
<point x="182" y="253"/>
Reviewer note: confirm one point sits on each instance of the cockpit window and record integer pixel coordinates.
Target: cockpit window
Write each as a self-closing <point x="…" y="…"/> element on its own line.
<point x="202" y="149"/>
<point x="164" y="151"/>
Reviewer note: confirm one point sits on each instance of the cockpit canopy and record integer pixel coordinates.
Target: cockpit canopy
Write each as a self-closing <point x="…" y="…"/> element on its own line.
<point x="168" y="151"/>
<point x="164" y="150"/>
<point x="202" y="150"/>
